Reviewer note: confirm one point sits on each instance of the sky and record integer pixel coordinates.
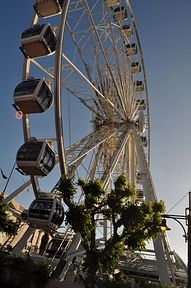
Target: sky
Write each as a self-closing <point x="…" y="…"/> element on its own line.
<point x="164" y="31"/>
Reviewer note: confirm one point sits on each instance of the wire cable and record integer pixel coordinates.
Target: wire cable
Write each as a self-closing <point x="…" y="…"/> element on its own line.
<point x="4" y="190"/>
<point x="177" y="203"/>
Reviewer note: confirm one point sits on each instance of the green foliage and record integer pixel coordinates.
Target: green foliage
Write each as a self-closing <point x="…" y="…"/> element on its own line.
<point x="67" y="186"/>
<point x="122" y="188"/>
<point x="7" y="225"/>
<point x="159" y="207"/>
<point x="80" y="219"/>
<point x="120" y="195"/>
<point x="107" y="213"/>
<point x="141" y="222"/>
<point x="93" y="192"/>
<point x="92" y="187"/>
<point x="111" y="255"/>
<point x="134" y="223"/>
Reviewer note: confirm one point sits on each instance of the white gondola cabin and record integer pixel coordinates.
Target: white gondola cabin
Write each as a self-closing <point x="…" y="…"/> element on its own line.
<point x="131" y="49"/>
<point x="47" y="8"/>
<point x="141" y="104"/>
<point x="128" y="31"/>
<point x="33" y="96"/>
<point x="135" y="67"/>
<point x="139" y="86"/>
<point x="46" y="212"/>
<point x="138" y="178"/>
<point x="36" y="158"/>
<point x="38" y="40"/>
<point x="140" y="195"/>
<point x="144" y="141"/>
<point x="112" y="2"/>
<point x="141" y="122"/>
<point x="120" y="13"/>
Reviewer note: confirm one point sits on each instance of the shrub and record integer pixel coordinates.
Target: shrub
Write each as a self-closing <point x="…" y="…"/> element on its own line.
<point x="17" y="272"/>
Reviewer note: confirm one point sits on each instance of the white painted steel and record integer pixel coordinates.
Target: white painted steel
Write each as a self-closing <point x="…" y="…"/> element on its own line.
<point x="150" y="195"/>
<point x="96" y="71"/>
<point x="22" y="242"/>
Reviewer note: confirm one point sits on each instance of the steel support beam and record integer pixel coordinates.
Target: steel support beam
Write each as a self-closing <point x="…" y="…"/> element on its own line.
<point x="150" y="195"/>
<point x="22" y="242"/>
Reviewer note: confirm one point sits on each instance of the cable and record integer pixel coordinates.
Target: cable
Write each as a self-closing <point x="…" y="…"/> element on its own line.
<point x="177" y="203"/>
<point x="69" y="121"/>
<point x="3" y="193"/>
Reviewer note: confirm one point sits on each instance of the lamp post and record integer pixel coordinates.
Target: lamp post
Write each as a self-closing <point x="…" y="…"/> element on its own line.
<point x="188" y="223"/>
<point x="177" y="218"/>
<point x="187" y="235"/>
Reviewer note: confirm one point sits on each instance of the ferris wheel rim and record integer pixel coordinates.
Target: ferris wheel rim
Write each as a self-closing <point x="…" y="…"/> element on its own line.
<point x="144" y="73"/>
<point x="124" y="136"/>
<point x="58" y="119"/>
<point x="58" y="111"/>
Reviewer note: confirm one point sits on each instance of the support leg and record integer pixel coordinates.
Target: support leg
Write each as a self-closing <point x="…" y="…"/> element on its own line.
<point x="22" y="242"/>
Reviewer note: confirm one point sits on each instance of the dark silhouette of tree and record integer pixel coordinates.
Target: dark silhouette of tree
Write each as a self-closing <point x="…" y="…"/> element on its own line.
<point x="7" y="225"/>
<point x="134" y="223"/>
<point x="22" y="272"/>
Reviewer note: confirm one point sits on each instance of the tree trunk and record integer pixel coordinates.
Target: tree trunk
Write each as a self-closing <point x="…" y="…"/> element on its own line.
<point x="92" y="262"/>
<point x="91" y="278"/>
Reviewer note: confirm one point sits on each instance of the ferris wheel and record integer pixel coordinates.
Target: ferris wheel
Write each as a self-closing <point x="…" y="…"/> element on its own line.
<point x="84" y="102"/>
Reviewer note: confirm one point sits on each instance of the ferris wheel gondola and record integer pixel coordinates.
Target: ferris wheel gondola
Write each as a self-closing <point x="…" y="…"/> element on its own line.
<point x="131" y="49"/>
<point x="33" y="96"/>
<point x="135" y="67"/>
<point x="128" y="31"/>
<point x="36" y="158"/>
<point x="38" y="41"/>
<point x="120" y="13"/>
<point x="139" y="87"/>
<point x="111" y="3"/>
<point x="46" y="212"/>
<point x="48" y="8"/>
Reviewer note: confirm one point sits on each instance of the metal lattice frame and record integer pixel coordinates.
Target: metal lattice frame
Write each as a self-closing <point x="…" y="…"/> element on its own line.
<point x="92" y="66"/>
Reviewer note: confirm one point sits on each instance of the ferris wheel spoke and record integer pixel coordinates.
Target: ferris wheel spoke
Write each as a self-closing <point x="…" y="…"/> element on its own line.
<point x="17" y="192"/>
<point x="88" y="103"/>
<point x="43" y="68"/>
<point x="80" y="52"/>
<point x="94" y="164"/>
<point x="95" y="136"/>
<point x="97" y="91"/>
<point x="107" y="88"/>
<point x="124" y="68"/>
<point x="131" y="99"/>
<point x="117" y="55"/>
<point x="85" y="78"/>
<point x="77" y="146"/>
<point x="119" y="96"/>
<point x="87" y="69"/>
<point x="93" y="141"/>
<point x="103" y="168"/>
<point x="35" y="185"/>
<point x="122" y="140"/>
<point x="79" y="19"/>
